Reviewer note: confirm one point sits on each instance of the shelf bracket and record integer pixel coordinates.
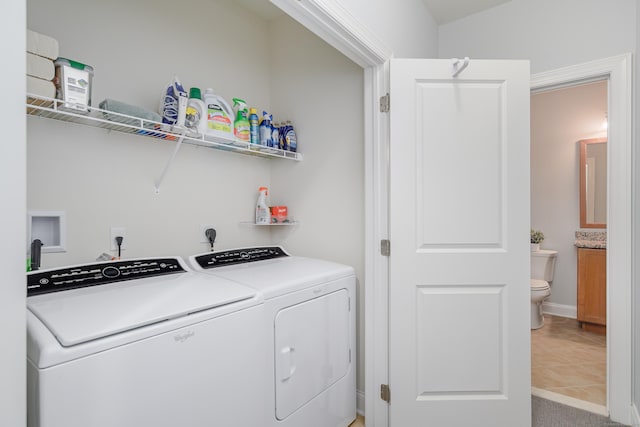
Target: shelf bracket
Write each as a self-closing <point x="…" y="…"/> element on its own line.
<point x="166" y="168"/>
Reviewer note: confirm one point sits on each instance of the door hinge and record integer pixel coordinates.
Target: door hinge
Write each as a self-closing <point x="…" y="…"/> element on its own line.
<point x="385" y="247"/>
<point x="385" y="103"/>
<point x="385" y="393"/>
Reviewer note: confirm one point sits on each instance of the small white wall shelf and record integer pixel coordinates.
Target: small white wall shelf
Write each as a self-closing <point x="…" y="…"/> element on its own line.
<point x="273" y="224"/>
<point x="96" y="117"/>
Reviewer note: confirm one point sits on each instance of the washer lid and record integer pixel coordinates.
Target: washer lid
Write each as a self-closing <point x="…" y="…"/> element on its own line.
<point x="80" y="315"/>
<point x="278" y="276"/>
<point x="539" y="284"/>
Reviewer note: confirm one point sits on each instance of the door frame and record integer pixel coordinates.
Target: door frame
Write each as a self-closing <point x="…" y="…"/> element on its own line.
<point x="617" y="70"/>
<point x="330" y="21"/>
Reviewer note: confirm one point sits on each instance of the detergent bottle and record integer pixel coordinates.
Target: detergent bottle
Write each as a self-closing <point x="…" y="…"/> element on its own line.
<point x="275" y="134"/>
<point x="291" y="140"/>
<point x="196" y="115"/>
<point x="265" y="130"/>
<point x="263" y="215"/>
<point x="241" y="124"/>
<point x="253" y="126"/>
<point x="219" y="115"/>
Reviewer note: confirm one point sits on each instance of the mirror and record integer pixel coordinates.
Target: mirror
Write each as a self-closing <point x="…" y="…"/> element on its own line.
<point x="593" y="183"/>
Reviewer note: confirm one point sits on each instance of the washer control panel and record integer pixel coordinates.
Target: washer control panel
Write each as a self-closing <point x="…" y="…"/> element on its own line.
<point x="239" y="256"/>
<point x="42" y="282"/>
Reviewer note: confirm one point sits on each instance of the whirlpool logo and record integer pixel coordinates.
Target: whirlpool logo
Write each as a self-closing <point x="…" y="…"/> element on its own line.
<point x="183" y="336"/>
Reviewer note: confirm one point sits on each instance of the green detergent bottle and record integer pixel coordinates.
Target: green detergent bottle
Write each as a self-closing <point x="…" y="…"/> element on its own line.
<point x="241" y="124"/>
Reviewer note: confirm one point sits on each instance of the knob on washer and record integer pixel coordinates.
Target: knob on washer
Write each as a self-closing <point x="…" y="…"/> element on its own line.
<point x="110" y="272"/>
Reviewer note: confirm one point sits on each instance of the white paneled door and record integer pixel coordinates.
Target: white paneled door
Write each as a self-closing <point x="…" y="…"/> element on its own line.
<point x="459" y="299"/>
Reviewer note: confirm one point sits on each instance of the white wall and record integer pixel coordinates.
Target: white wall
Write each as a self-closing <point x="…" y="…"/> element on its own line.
<point x="550" y="33"/>
<point x="559" y="119"/>
<point x="323" y="91"/>
<point x="404" y="26"/>
<point x="12" y="194"/>
<point x="102" y="179"/>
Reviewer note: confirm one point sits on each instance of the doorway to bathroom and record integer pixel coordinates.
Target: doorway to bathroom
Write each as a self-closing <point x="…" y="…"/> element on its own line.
<point x="617" y="70"/>
<point x="569" y="354"/>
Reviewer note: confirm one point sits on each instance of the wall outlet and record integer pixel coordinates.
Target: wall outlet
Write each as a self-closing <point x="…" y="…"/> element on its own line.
<point x="115" y="232"/>
<point x="202" y="236"/>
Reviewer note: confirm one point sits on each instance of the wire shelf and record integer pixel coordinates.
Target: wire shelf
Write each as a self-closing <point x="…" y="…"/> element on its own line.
<point x="57" y="109"/>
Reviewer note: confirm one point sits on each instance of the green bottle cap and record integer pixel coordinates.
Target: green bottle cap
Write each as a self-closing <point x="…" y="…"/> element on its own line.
<point x="195" y="92"/>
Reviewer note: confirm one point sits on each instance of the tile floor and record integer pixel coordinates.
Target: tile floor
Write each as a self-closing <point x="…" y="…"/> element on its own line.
<point x="359" y="422"/>
<point x="569" y="361"/>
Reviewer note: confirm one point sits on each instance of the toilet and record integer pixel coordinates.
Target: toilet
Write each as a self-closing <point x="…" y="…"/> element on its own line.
<point x="543" y="264"/>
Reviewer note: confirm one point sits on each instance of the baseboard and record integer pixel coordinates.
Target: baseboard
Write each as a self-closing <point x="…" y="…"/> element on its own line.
<point x="360" y="402"/>
<point x="570" y="401"/>
<point x="561" y="310"/>
<point x="635" y="416"/>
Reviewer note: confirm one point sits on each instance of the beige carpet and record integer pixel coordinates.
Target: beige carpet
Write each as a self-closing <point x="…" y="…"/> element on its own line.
<point x="546" y="413"/>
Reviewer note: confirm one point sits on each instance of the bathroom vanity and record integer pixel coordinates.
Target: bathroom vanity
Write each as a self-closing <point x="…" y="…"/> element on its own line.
<point x="592" y="244"/>
<point x="592" y="283"/>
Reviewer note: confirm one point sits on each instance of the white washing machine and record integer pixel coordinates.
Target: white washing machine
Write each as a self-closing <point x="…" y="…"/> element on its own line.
<point x="143" y="343"/>
<point x="310" y="325"/>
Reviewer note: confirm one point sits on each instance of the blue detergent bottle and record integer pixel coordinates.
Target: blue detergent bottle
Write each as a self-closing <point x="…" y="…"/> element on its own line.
<point x="265" y="130"/>
<point x="291" y="140"/>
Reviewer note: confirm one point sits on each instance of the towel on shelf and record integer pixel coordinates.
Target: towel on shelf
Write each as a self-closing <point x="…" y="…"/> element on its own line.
<point x="42" y="45"/>
<point x="40" y="67"/>
<point x="41" y="87"/>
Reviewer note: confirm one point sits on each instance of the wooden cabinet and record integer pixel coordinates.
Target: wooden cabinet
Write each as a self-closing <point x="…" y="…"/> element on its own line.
<point x="592" y="289"/>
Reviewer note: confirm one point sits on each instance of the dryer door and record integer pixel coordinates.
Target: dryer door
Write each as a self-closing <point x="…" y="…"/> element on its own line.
<point x="312" y="349"/>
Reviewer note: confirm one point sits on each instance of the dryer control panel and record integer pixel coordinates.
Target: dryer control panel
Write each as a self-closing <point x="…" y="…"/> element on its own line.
<point x="239" y="256"/>
<point x="62" y="279"/>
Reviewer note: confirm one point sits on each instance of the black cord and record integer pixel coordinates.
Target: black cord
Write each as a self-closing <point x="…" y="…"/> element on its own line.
<point x="210" y="233"/>
<point x="119" y="242"/>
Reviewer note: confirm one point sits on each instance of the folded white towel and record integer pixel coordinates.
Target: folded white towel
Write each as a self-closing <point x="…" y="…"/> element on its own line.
<point x="41" y="87"/>
<point x="42" y="45"/>
<point x="39" y="66"/>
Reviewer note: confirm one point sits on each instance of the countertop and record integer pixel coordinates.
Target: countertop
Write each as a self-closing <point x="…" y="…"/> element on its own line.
<point x="591" y="239"/>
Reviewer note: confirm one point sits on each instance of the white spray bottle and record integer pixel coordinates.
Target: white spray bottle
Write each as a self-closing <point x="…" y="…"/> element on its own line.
<point x="263" y="215"/>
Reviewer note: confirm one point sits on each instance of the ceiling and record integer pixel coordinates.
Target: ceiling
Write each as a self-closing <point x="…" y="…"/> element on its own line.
<point x="444" y="11"/>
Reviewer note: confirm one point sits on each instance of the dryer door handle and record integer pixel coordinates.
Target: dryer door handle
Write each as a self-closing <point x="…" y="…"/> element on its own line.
<point x="287" y="363"/>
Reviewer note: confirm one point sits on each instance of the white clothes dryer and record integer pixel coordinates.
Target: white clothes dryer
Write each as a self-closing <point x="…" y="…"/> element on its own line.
<point x="310" y="325"/>
<point x="143" y="342"/>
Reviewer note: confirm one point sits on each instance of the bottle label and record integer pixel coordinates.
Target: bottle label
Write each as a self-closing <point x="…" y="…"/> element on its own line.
<point x="262" y="216"/>
<point x="192" y="118"/>
<point x="265" y="135"/>
<point x="291" y="141"/>
<point x="217" y="119"/>
<point x="253" y="130"/>
<point x="241" y="131"/>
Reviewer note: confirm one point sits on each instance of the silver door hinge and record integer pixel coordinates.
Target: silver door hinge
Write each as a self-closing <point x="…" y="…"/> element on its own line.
<point x="385" y="103"/>
<point x="385" y="393"/>
<point x="385" y="247"/>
